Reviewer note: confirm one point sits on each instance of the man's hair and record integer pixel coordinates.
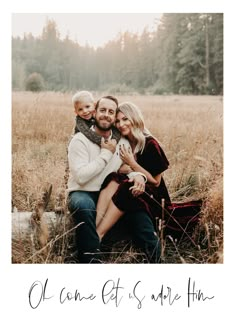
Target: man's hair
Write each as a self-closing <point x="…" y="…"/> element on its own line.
<point x="81" y="95"/>
<point x="110" y="97"/>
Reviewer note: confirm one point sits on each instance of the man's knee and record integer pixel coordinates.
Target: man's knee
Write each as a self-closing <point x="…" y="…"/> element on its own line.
<point x="141" y="221"/>
<point x="81" y="201"/>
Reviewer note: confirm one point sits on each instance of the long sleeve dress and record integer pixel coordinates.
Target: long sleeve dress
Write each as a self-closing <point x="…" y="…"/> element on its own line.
<point x="180" y="218"/>
<point x="154" y="160"/>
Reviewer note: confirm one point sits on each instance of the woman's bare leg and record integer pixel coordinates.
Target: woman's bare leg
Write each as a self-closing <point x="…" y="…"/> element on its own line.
<point x="110" y="218"/>
<point x="104" y="200"/>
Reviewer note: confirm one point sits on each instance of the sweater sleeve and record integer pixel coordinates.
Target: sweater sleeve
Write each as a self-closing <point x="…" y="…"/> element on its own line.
<point x="82" y="168"/>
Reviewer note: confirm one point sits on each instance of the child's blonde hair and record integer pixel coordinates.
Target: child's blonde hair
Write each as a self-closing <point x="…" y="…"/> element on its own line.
<point x="81" y="95"/>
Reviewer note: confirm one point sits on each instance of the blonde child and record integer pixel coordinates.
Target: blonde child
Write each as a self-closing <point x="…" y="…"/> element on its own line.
<point x="84" y="108"/>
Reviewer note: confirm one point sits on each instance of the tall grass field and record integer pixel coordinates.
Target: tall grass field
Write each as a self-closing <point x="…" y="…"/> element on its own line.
<point x="190" y="130"/>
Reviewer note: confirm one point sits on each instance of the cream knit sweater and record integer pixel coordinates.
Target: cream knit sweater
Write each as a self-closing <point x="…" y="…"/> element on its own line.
<point x="89" y="164"/>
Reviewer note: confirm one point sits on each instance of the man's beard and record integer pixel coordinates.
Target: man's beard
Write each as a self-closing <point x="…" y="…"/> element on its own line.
<point x="108" y="128"/>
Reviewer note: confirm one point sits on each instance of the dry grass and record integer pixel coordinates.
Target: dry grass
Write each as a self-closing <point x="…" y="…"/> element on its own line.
<point x="190" y="130"/>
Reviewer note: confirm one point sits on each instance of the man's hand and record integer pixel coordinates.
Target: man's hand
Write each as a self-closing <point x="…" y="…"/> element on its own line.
<point x="139" y="185"/>
<point x="109" y="144"/>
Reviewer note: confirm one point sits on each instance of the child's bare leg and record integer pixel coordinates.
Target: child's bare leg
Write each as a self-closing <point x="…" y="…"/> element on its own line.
<point x="110" y="218"/>
<point x="104" y="200"/>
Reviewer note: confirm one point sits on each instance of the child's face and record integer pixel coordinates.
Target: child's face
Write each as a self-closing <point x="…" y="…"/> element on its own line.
<point x="85" y="109"/>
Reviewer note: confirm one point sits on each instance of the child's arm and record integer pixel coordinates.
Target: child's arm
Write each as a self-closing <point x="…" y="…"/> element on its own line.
<point x="84" y="127"/>
<point x="125" y="169"/>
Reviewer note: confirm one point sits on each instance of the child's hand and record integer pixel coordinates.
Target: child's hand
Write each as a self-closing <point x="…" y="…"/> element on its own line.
<point x="125" y="169"/>
<point x="109" y="144"/>
<point x="126" y="155"/>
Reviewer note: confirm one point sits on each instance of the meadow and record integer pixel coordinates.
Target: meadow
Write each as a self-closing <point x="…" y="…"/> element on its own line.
<point x="190" y="130"/>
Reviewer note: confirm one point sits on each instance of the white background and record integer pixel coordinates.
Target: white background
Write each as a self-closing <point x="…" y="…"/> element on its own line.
<point x="212" y="280"/>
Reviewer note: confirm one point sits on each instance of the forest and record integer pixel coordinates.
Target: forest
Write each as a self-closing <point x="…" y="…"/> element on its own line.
<point x="183" y="55"/>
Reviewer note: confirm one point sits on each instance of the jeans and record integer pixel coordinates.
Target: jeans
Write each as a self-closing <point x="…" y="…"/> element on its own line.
<point x="137" y="225"/>
<point x="82" y="206"/>
<point x="144" y="235"/>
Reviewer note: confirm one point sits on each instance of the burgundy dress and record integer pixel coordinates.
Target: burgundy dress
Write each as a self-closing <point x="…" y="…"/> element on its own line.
<point x="152" y="159"/>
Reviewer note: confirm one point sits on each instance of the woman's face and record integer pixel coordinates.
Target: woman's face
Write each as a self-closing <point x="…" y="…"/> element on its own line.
<point x="123" y="124"/>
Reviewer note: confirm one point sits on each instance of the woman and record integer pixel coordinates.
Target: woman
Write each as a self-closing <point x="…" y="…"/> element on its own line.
<point x="145" y="156"/>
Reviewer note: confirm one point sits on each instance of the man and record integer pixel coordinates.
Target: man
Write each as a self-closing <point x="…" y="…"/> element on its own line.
<point x="89" y="165"/>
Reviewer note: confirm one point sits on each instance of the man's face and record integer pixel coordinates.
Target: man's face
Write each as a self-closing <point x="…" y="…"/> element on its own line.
<point x="105" y="114"/>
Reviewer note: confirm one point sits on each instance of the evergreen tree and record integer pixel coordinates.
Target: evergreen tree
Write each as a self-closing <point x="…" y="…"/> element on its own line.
<point x="183" y="55"/>
<point x="34" y="82"/>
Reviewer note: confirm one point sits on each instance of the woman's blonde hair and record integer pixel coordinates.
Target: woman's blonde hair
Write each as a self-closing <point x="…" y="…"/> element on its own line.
<point x="138" y="129"/>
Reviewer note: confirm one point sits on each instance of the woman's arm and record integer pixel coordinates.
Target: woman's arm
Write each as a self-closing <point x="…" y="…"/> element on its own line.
<point x="128" y="158"/>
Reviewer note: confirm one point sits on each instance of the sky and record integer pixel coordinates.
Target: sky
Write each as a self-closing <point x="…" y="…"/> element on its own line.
<point x="96" y="29"/>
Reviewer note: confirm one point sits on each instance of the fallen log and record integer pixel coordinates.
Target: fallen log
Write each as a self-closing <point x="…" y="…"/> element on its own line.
<point x="38" y="224"/>
<point x="22" y="224"/>
<point x="50" y="240"/>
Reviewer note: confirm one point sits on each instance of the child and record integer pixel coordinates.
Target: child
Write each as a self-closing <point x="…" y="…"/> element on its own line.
<point x="84" y="108"/>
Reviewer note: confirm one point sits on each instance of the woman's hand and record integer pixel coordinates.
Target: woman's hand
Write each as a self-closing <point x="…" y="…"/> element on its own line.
<point x="139" y="185"/>
<point x="126" y="155"/>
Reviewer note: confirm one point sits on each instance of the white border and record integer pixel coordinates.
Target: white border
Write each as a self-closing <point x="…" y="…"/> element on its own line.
<point x="217" y="280"/>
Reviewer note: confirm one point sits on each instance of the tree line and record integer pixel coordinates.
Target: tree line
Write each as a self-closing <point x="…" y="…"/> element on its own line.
<point x="183" y="55"/>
